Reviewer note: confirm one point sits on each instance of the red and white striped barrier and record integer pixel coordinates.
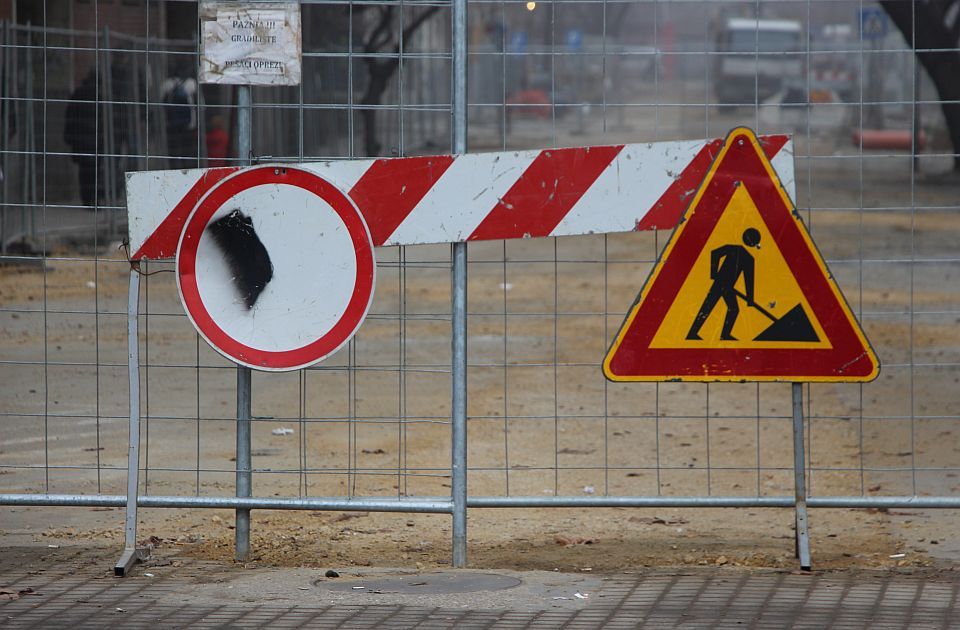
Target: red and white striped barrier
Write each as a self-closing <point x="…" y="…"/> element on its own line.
<point x="484" y="196"/>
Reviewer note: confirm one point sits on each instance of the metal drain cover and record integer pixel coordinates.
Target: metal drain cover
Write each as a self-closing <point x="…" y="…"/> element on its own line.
<point x="427" y="584"/>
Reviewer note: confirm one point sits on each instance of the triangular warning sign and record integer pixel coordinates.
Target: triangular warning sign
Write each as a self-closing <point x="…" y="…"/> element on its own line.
<point x="741" y="292"/>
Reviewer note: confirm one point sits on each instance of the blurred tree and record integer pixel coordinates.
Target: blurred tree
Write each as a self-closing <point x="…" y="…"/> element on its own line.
<point x="382" y="37"/>
<point x="934" y="38"/>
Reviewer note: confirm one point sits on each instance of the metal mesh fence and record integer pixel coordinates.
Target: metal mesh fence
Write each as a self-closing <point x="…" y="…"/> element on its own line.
<point x="86" y="96"/>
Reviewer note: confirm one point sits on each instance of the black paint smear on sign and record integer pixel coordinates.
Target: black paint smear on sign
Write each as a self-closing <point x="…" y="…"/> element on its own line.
<point x="245" y="254"/>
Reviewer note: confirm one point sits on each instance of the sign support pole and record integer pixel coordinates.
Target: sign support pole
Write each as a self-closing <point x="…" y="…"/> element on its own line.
<point x="131" y="555"/>
<point x="459" y="302"/>
<point x="800" y="486"/>
<point x="244" y="466"/>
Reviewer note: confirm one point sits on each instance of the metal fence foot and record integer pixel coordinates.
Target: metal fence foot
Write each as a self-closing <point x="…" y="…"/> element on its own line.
<point x="129" y="558"/>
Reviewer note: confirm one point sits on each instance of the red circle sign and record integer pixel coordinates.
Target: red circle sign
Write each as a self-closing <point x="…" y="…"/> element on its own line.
<point x="317" y="248"/>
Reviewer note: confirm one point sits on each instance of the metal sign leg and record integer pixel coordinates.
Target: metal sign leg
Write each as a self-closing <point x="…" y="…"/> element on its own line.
<point x="459" y="301"/>
<point x="244" y="393"/>
<point x="131" y="555"/>
<point x="459" y="419"/>
<point x="244" y="476"/>
<point x="800" y="485"/>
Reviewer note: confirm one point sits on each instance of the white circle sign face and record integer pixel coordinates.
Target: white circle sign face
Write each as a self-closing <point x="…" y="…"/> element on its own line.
<point x="290" y="222"/>
<point x="304" y="248"/>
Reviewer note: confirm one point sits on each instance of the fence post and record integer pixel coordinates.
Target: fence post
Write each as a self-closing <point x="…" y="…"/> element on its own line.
<point x="130" y="552"/>
<point x="800" y="485"/>
<point x="459" y="300"/>
<point x="244" y="393"/>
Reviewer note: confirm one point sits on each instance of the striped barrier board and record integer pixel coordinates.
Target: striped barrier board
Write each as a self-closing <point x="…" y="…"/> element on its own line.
<point x="275" y="264"/>
<point x="483" y="196"/>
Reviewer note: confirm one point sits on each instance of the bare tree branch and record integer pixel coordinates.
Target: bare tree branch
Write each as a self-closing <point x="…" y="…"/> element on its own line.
<point x="417" y="22"/>
<point x="380" y="70"/>
<point x="953" y="6"/>
<point x="380" y="35"/>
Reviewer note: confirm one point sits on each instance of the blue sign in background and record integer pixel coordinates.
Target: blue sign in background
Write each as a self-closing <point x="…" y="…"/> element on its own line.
<point x="518" y="42"/>
<point x="874" y="23"/>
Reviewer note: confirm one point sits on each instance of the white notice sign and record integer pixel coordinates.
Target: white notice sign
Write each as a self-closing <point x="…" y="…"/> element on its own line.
<point x="250" y="43"/>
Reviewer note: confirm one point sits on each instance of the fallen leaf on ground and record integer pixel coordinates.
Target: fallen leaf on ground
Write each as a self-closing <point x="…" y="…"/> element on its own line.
<point x="577" y="540"/>
<point x="9" y="595"/>
<point x="346" y="516"/>
<point x="656" y="520"/>
<point x="151" y="542"/>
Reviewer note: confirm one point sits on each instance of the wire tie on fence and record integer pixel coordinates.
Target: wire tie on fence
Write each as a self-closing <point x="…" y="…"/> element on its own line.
<point x="135" y="264"/>
<point x="125" y="246"/>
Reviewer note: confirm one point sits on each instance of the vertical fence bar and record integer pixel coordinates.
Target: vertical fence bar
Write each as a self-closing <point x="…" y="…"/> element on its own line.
<point x="459" y="300"/>
<point x="244" y="466"/>
<point x="27" y="200"/>
<point x="5" y="113"/>
<point x="130" y="552"/>
<point x="800" y="486"/>
<point x="916" y="125"/>
<point x="109" y="118"/>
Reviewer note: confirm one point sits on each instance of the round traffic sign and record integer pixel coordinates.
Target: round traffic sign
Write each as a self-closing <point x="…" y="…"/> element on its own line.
<point x="275" y="268"/>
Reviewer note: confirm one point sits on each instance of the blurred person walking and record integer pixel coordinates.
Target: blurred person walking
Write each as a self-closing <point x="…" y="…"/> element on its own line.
<point x="180" y="114"/>
<point x="82" y="135"/>
<point x="218" y="142"/>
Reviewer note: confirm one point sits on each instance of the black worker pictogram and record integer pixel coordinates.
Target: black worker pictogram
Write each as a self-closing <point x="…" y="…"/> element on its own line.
<point x="727" y="264"/>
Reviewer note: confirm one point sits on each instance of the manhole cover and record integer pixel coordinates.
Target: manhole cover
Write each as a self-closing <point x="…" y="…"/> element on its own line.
<point x="429" y="584"/>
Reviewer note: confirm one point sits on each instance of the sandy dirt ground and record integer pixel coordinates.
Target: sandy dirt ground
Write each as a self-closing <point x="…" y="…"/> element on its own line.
<point x="535" y="429"/>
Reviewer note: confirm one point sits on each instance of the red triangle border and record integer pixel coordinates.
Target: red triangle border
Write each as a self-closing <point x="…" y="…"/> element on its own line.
<point x="741" y="162"/>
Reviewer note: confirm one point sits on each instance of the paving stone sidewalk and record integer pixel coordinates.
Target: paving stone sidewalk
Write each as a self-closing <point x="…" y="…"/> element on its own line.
<point x="40" y="592"/>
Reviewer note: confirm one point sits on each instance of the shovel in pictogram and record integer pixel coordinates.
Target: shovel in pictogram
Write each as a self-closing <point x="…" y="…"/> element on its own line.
<point x="793" y="326"/>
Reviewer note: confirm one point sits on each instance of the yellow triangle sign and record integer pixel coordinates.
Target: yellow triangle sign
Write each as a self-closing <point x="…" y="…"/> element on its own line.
<point x="741" y="292"/>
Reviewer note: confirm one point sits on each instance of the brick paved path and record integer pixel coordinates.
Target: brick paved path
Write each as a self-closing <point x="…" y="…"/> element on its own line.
<point x="70" y="596"/>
